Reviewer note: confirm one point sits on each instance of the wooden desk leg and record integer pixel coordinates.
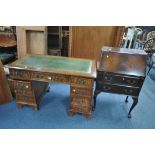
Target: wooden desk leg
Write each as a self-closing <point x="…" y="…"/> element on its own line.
<point x="81" y="105"/>
<point x="96" y="92"/>
<point x="19" y="105"/>
<point x="36" y="108"/>
<point x="48" y="88"/>
<point x="70" y="113"/>
<point x="135" y="101"/>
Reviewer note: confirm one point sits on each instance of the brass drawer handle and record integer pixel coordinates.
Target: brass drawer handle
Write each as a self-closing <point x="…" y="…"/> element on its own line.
<point x="49" y="78"/>
<point x="82" y="81"/>
<point x="26" y="86"/>
<point x="131" y="81"/>
<point x="128" y="91"/>
<point x="108" y="78"/>
<point x="74" y="90"/>
<point x="106" y="88"/>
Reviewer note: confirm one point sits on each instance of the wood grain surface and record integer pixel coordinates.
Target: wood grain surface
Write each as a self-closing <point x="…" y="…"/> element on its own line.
<point x="5" y="93"/>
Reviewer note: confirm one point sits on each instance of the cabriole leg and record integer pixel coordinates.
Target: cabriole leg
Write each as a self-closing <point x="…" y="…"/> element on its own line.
<point x="135" y="101"/>
<point x="126" y="100"/>
<point x="95" y="96"/>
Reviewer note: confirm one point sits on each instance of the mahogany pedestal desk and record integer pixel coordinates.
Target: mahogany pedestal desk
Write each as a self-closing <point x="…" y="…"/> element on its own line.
<point x="121" y="71"/>
<point x="29" y="77"/>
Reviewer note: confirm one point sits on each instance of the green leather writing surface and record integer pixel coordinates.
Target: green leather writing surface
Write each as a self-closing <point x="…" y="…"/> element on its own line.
<point x="57" y="63"/>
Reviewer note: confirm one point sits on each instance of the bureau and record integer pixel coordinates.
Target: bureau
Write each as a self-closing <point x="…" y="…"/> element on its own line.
<point x="121" y="71"/>
<point x="29" y="78"/>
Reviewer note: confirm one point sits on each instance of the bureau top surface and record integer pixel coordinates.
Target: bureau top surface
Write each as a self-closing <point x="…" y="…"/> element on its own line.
<point x="130" y="62"/>
<point x="123" y="50"/>
<point x="57" y="64"/>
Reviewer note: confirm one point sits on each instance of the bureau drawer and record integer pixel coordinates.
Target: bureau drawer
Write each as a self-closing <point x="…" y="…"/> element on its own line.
<point x="120" y="79"/>
<point x="118" y="89"/>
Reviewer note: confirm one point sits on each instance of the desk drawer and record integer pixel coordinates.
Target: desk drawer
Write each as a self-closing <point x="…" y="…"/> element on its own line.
<point x="81" y="105"/>
<point x="57" y="78"/>
<point x="82" y="81"/>
<point x="29" y="75"/>
<point x="81" y="91"/>
<point x="25" y="98"/>
<point x="19" y="74"/>
<point x="22" y="85"/>
<point x="120" y="79"/>
<point x="118" y="89"/>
